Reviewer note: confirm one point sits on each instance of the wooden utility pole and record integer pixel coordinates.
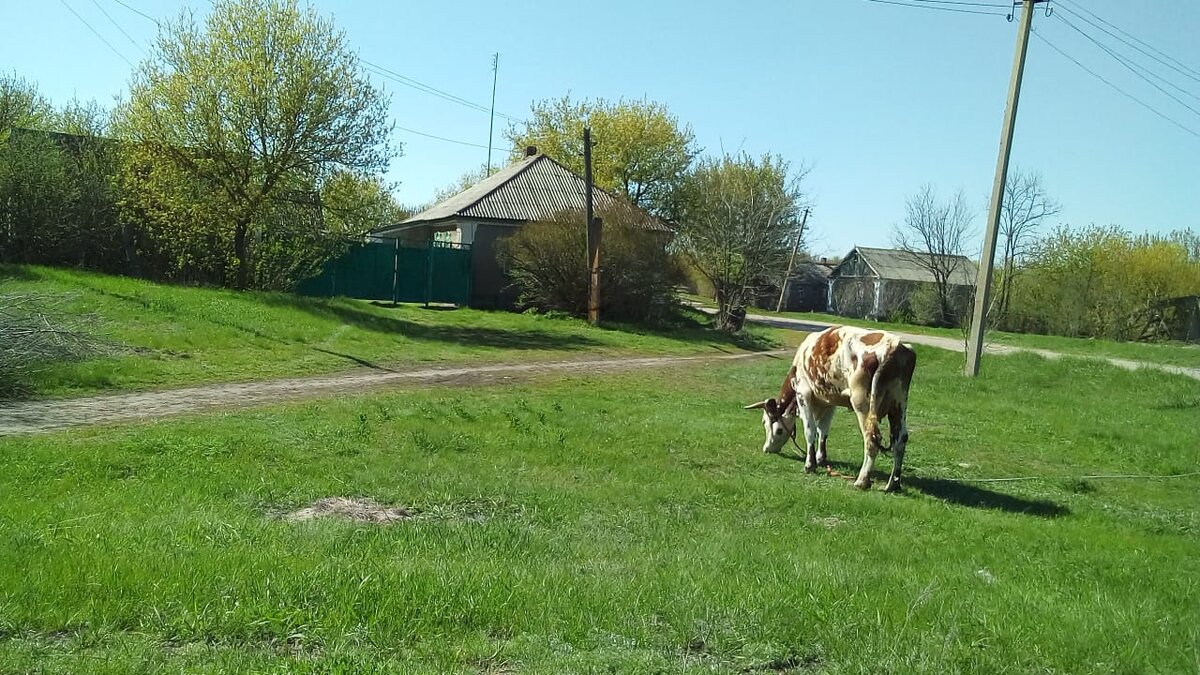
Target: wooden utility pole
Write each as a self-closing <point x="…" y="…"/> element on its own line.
<point x="791" y="261"/>
<point x="593" y="233"/>
<point x="492" y="120"/>
<point x="983" y="283"/>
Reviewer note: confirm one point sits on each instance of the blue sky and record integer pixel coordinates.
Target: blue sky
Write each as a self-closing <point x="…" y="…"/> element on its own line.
<point x="876" y="99"/>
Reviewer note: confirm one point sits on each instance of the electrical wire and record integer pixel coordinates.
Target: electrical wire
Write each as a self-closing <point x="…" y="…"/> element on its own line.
<point x="449" y="140"/>
<point x="429" y="89"/>
<point x="967" y="4"/>
<point x="1099" y="477"/>
<point x="137" y="11"/>
<point x="1124" y="62"/>
<point x="96" y="33"/>
<point x="936" y="8"/>
<point x="1170" y="62"/>
<point x="1113" y="86"/>
<point x="114" y="22"/>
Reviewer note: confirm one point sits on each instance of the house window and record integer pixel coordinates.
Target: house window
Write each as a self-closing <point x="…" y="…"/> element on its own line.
<point x="444" y="237"/>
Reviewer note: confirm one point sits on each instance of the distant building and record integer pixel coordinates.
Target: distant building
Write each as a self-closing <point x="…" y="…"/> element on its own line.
<point x="534" y="188"/>
<point x="808" y="287"/>
<point x="877" y="282"/>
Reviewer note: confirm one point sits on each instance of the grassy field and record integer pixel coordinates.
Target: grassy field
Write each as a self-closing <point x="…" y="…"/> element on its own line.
<point x="171" y="336"/>
<point x="1170" y="353"/>
<point x="624" y="524"/>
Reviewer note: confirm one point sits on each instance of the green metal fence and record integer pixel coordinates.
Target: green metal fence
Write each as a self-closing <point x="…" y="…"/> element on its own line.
<point x="439" y="272"/>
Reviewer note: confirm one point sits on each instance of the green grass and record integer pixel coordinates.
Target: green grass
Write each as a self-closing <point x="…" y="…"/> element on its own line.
<point x="171" y="336"/>
<point x="617" y="524"/>
<point x="1167" y="353"/>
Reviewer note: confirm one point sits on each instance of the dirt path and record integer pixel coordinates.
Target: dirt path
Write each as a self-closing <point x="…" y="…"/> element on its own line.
<point x="957" y="345"/>
<point x="38" y="416"/>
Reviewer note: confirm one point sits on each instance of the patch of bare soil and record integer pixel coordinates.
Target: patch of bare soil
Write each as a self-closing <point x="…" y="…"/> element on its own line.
<point x="828" y="521"/>
<point x="356" y="509"/>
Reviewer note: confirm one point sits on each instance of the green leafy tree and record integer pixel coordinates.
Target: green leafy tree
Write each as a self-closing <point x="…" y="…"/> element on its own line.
<point x="640" y="148"/>
<point x="21" y="105"/>
<point x="353" y="205"/>
<point x="262" y="101"/>
<point x="1103" y="282"/>
<point x="35" y="195"/>
<point x="739" y="217"/>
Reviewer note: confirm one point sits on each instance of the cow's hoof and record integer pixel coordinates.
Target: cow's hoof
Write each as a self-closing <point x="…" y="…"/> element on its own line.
<point x="810" y="468"/>
<point x="862" y="484"/>
<point x="893" y="486"/>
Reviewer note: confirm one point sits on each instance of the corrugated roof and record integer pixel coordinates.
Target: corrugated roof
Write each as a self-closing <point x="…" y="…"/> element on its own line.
<point x="533" y="188"/>
<point x="908" y="266"/>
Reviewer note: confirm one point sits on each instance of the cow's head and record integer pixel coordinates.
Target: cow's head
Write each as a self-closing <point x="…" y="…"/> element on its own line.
<point x="779" y="421"/>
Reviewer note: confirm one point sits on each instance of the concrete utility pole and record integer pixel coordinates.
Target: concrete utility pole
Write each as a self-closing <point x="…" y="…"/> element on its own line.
<point x="983" y="283"/>
<point x="492" y="120"/>
<point x="791" y="261"/>
<point x="593" y="233"/>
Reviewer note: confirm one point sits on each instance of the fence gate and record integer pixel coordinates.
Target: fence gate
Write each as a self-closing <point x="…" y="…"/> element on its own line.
<point x="439" y="272"/>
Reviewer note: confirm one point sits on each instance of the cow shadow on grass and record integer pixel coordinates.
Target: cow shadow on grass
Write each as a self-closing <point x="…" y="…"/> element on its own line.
<point x="959" y="493"/>
<point x="963" y="493"/>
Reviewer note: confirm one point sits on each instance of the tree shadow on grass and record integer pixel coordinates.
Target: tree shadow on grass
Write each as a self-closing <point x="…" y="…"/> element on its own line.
<point x="12" y="272"/>
<point x="475" y="336"/>
<point x="959" y="493"/>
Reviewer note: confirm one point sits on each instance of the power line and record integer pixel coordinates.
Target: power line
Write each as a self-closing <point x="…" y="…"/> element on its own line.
<point x="1113" y="86"/>
<point x="1121" y="60"/>
<point x="137" y="11"/>
<point x="429" y="89"/>
<point x="1174" y="64"/>
<point x="96" y="33"/>
<point x="968" y="4"/>
<point x="113" y="22"/>
<point x="449" y="140"/>
<point x="936" y="8"/>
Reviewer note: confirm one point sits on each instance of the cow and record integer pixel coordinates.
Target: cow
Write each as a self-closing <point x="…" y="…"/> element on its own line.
<point x="867" y="371"/>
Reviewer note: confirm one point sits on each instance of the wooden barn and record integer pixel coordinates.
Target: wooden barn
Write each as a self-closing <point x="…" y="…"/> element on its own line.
<point x="879" y="282"/>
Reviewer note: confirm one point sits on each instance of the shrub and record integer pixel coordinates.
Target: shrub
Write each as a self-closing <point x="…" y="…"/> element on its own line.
<point x="546" y="261"/>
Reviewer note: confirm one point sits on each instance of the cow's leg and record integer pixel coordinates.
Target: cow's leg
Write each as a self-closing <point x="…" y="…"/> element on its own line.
<point x="870" y="447"/>
<point x="824" y="421"/>
<point x="811" y="434"/>
<point x="898" y="425"/>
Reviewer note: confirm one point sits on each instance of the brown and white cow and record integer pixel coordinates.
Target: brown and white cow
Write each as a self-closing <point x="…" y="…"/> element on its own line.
<point x="867" y="371"/>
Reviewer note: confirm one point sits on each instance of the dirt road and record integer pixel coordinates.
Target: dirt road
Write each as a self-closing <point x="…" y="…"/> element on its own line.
<point x="38" y="416"/>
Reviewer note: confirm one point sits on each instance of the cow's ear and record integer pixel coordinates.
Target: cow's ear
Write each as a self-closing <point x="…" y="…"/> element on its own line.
<point x="756" y="406"/>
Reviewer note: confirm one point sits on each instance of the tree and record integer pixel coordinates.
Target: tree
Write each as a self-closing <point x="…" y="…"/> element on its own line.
<point x="1024" y="206"/>
<point x="265" y="99"/>
<point x="466" y="180"/>
<point x="1103" y="281"/>
<point x="352" y="205"/>
<point x="935" y="234"/>
<point x="738" y="219"/>
<point x="639" y="149"/>
<point x="21" y="105"/>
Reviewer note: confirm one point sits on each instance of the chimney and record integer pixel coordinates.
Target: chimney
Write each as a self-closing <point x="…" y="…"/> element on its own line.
<point x="530" y="150"/>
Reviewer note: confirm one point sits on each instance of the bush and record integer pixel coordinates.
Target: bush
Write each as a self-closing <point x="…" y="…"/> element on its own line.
<point x="547" y="262"/>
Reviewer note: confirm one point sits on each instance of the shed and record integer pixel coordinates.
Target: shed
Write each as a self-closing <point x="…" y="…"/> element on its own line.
<point x="808" y="287"/>
<point x="536" y="187"/>
<point x="876" y="282"/>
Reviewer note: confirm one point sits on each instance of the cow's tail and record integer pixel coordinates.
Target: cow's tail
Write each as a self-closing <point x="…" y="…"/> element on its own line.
<point x="896" y="363"/>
